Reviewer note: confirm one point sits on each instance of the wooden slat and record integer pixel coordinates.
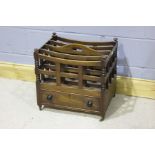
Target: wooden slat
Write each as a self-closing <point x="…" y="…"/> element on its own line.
<point x="52" y="42"/>
<point x="84" y="42"/>
<point x="76" y="49"/>
<point x="70" y="75"/>
<point x="87" y="71"/>
<point x="75" y="70"/>
<point x="70" y="62"/>
<point x="91" y="78"/>
<point x="52" y="48"/>
<point x="76" y="76"/>
<point x="103" y="47"/>
<point x="52" y="67"/>
<point x="45" y="72"/>
<point x="93" y="72"/>
<point x="72" y="57"/>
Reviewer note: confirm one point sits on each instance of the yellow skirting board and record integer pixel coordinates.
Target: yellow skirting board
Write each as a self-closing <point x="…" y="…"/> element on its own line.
<point x="125" y="85"/>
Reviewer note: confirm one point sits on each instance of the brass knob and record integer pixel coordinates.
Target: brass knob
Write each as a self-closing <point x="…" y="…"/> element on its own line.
<point x="49" y="97"/>
<point x="89" y="103"/>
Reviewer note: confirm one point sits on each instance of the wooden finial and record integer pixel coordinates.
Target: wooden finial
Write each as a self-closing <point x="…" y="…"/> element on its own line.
<point x="54" y="36"/>
<point x="115" y="39"/>
<point x="36" y="49"/>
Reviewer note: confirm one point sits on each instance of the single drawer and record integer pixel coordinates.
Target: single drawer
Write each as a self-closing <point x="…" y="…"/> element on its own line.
<point x="69" y="101"/>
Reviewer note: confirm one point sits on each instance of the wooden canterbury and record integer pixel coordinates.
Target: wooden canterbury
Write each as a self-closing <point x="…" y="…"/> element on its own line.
<point x="76" y="75"/>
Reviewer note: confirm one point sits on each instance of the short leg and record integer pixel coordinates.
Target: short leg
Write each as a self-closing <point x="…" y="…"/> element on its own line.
<point x="41" y="107"/>
<point x="102" y="117"/>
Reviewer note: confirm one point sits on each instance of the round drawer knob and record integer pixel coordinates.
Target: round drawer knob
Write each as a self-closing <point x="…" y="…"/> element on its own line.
<point x="89" y="103"/>
<point x="49" y="97"/>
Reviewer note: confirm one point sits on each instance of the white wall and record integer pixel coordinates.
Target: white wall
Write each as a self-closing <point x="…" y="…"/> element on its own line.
<point x="136" y="52"/>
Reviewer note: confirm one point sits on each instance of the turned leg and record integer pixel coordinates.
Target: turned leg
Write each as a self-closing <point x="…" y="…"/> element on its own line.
<point x="102" y="117"/>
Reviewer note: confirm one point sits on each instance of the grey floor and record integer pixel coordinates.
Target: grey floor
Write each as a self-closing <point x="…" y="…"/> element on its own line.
<point x="18" y="109"/>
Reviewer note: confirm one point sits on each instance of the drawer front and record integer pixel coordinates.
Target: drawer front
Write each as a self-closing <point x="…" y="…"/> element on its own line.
<point x="70" y="101"/>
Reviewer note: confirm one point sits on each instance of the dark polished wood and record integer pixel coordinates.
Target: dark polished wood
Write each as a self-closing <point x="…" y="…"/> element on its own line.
<point x="76" y="75"/>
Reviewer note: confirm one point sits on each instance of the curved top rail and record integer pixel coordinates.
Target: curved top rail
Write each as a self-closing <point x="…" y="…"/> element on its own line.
<point x="56" y="37"/>
<point x="76" y="49"/>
